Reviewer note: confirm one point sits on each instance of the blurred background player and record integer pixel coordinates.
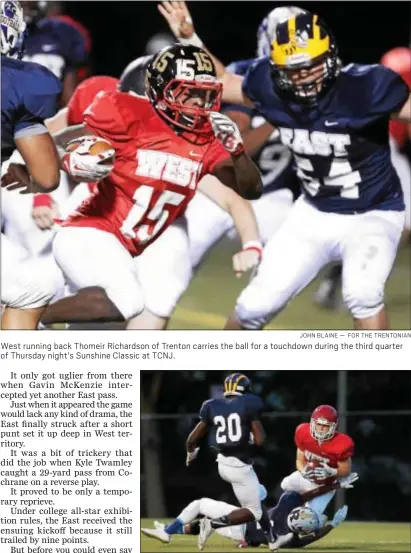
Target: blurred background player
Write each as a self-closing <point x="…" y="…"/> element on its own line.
<point x="29" y="95"/>
<point x="230" y="423"/>
<point x="352" y="204"/>
<point x="58" y="42"/>
<point x="399" y="60"/>
<point x="323" y="456"/>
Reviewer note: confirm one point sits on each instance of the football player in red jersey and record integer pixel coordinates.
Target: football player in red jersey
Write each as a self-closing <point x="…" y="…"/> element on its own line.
<point x="163" y="146"/>
<point x="323" y="456"/>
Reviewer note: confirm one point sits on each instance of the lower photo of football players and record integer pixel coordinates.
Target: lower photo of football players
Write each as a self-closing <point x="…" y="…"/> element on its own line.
<point x="233" y="424"/>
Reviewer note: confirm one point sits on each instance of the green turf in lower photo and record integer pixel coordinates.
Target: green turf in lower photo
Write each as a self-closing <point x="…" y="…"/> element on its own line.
<point x="362" y="537"/>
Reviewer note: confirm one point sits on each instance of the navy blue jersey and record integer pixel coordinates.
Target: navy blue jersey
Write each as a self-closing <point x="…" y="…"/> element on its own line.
<point x="341" y="147"/>
<point x="278" y="515"/>
<point x="229" y="420"/>
<point x="29" y="94"/>
<point x="273" y="159"/>
<point x="57" y="45"/>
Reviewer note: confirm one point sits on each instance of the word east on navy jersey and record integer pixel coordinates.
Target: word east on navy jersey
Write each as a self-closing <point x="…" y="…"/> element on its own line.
<point x="341" y="147"/>
<point x="274" y="160"/>
<point x="57" y="45"/>
<point x="229" y="421"/>
<point x="29" y="95"/>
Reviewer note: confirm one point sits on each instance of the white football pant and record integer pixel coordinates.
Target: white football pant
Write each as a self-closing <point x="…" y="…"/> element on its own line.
<point x="26" y="282"/>
<point x="166" y="268"/>
<point x="244" y="481"/>
<point x="213" y="509"/>
<point x="308" y="240"/>
<point x="91" y="257"/>
<point x="296" y="483"/>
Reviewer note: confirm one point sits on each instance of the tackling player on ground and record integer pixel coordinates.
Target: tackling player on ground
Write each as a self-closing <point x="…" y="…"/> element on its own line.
<point x="294" y="524"/>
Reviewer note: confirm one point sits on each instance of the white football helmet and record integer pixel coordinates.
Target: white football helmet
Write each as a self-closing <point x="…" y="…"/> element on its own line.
<point x="266" y="30"/>
<point x="12" y="28"/>
<point x="303" y="520"/>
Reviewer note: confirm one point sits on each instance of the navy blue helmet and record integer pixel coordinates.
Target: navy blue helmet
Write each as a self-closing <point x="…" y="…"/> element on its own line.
<point x="236" y="384"/>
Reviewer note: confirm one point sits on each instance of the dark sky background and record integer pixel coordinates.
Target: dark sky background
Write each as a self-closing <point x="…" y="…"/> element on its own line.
<point x="120" y="30"/>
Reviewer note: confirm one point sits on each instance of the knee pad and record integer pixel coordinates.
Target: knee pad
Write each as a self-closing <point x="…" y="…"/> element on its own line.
<point x="162" y="301"/>
<point x="250" y="320"/>
<point x="364" y="301"/>
<point x="254" y="308"/>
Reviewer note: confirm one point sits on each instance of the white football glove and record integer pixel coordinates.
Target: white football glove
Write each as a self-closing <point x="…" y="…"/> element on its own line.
<point x="308" y="473"/>
<point x="347" y="482"/>
<point x="191" y="456"/>
<point x="248" y="258"/>
<point x="324" y="471"/>
<point x="227" y="132"/>
<point x="84" y="166"/>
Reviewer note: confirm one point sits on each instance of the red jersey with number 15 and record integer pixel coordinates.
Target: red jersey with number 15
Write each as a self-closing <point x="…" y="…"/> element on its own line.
<point x="155" y="174"/>
<point x="339" y="448"/>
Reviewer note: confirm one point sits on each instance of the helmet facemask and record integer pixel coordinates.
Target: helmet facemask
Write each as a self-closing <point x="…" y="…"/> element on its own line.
<point x="304" y="59"/>
<point x="187" y="104"/>
<point x="322" y="435"/>
<point x="303" y="520"/>
<point x="311" y="90"/>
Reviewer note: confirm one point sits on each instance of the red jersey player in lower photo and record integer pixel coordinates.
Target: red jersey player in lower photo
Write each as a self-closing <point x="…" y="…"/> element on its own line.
<point x="163" y="146"/>
<point x="324" y="455"/>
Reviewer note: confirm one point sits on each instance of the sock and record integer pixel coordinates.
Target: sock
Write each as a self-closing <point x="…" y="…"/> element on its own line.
<point x="220" y="522"/>
<point x="175" y="527"/>
<point x="266" y="526"/>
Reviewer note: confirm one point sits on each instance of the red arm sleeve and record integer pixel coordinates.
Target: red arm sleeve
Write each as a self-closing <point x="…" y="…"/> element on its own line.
<point x="348" y="450"/>
<point x="84" y="95"/>
<point x="109" y="117"/>
<point x="298" y="437"/>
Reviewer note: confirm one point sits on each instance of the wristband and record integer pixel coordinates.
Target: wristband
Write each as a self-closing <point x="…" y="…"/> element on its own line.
<point x="253" y="245"/>
<point x="194" y="40"/>
<point x="40" y="200"/>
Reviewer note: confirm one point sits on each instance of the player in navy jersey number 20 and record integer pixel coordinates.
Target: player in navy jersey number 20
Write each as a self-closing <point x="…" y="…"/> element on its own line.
<point x="335" y="121"/>
<point x="233" y="425"/>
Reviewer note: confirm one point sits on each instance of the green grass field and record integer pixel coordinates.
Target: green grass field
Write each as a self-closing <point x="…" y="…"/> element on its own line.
<point x="361" y="537"/>
<point x="212" y="294"/>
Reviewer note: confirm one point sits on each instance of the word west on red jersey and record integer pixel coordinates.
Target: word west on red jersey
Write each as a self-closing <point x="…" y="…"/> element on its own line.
<point x="339" y="448"/>
<point x="155" y="174"/>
